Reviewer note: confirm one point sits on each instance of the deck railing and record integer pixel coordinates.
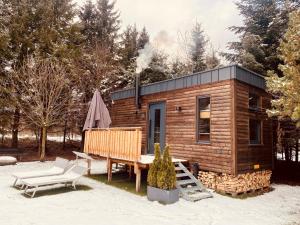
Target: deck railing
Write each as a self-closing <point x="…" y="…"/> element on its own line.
<point x="119" y="143"/>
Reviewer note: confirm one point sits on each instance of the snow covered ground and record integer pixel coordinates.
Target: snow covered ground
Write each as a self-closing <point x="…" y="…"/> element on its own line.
<point x="103" y="204"/>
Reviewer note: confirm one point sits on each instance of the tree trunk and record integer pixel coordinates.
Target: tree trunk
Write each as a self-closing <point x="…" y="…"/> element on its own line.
<point x="65" y="134"/>
<point x="2" y="140"/>
<point x="15" y="128"/>
<point x="43" y="146"/>
<point x="82" y="141"/>
<point x="297" y="149"/>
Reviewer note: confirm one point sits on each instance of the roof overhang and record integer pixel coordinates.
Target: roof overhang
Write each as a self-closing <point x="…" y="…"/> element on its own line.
<point x="210" y="76"/>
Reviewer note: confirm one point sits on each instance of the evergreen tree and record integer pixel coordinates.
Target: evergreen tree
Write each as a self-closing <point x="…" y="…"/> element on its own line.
<point x="88" y="19"/>
<point x="157" y="69"/>
<point x="264" y="25"/>
<point x="40" y="28"/>
<point x="287" y="88"/>
<point x="143" y="39"/>
<point x="129" y="48"/>
<point x="154" y="167"/>
<point x="212" y="61"/>
<point x="166" y="176"/>
<point x="107" y="24"/>
<point x="197" y="48"/>
<point x="179" y="68"/>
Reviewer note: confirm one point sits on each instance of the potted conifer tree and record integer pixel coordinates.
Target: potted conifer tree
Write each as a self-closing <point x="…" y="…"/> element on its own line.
<point x="162" y="178"/>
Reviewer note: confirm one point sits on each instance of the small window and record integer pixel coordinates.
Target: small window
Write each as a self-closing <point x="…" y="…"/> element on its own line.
<point x="254" y="101"/>
<point x="203" y="119"/>
<point x="255" y="131"/>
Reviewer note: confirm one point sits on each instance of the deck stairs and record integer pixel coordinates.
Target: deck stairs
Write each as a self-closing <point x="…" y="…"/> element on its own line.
<point x="190" y="188"/>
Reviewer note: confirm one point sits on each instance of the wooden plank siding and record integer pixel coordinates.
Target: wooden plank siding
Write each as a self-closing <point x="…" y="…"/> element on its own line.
<point x="229" y="150"/>
<point x="249" y="155"/>
<point x="216" y="156"/>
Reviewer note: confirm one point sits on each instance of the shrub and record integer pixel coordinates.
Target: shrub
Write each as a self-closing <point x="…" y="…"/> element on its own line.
<point x="154" y="167"/>
<point x="166" y="177"/>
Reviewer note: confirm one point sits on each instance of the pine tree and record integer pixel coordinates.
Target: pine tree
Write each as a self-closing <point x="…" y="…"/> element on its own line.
<point x="166" y="177"/>
<point x="129" y="48"/>
<point x="157" y="69"/>
<point x="40" y="28"/>
<point x="287" y="88"/>
<point x="264" y="25"/>
<point x="143" y="39"/>
<point x="212" y="61"/>
<point x="88" y="19"/>
<point x="107" y="24"/>
<point x="154" y="167"/>
<point x="197" y="48"/>
<point x="179" y="68"/>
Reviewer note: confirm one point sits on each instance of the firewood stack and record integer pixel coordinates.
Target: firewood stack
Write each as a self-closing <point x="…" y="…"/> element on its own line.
<point x="236" y="184"/>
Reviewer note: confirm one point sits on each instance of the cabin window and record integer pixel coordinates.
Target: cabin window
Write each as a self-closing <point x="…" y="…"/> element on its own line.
<point x="203" y="119"/>
<point x="254" y="101"/>
<point x="255" y="131"/>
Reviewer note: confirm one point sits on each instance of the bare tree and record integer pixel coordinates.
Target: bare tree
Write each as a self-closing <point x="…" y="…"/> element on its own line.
<point x="45" y="95"/>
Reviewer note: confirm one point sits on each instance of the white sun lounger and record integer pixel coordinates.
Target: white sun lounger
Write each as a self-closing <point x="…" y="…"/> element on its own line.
<point x="60" y="166"/>
<point x="69" y="177"/>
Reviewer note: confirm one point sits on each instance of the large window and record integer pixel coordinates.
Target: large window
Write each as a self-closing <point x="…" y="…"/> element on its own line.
<point x="203" y="119"/>
<point x="255" y="131"/>
<point x="254" y="101"/>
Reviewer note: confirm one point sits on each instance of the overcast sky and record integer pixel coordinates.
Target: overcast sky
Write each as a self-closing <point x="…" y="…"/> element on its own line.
<point x="173" y="18"/>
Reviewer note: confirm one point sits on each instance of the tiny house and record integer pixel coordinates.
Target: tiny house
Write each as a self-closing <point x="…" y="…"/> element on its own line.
<point x="216" y="118"/>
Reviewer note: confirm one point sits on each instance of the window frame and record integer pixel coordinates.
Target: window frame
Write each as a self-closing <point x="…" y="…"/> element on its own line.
<point x="257" y="109"/>
<point x="197" y="119"/>
<point x="261" y="132"/>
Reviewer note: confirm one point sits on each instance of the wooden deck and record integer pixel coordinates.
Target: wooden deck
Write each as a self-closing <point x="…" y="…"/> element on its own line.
<point x="120" y="145"/>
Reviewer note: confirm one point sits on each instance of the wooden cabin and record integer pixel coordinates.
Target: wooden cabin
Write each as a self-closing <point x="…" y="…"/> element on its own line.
<point x="216" y="118"/>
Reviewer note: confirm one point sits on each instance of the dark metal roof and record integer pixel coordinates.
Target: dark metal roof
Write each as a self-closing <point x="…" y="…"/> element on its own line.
<point x="223" y="73"/>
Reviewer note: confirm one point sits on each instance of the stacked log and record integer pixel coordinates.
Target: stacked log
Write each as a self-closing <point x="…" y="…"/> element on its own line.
<point x="236" y="184"/>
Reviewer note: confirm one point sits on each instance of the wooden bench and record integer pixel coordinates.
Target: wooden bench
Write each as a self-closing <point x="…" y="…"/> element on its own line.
<point x="18" y="153"/>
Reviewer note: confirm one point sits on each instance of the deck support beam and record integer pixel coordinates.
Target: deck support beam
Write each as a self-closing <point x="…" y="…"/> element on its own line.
<point x="109" y="169"/>
<point x="89" y="166"/>
<point x="138" y="172"/>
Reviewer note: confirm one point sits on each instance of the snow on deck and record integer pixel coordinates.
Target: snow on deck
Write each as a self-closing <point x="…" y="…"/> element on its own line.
<point x="148" y="159"/>
<point x="104" y="204"/>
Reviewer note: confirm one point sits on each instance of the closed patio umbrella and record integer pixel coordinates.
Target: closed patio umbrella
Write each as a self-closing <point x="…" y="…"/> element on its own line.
<point x="98" y="115"/>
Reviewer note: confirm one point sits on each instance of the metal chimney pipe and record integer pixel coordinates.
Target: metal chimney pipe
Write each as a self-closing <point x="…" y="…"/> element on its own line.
<point x="137" y="91"/>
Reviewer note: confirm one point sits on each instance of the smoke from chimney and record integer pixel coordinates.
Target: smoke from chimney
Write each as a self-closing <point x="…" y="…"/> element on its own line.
<point x="161" y="42"/>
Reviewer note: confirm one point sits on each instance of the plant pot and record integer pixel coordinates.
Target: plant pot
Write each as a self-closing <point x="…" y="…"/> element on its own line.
<point x="162" y="196"/>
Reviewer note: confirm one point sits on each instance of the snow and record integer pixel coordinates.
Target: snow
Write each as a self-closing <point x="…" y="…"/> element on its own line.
<point x="103" y="204"/>
<point x="6" y="160"/>
<point x="148" y="159"/>
<point x="74" y="137"/>
<point x="281" y="156"/>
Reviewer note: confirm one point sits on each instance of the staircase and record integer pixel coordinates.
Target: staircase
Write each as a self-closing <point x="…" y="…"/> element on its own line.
<point x="190" y="188"/>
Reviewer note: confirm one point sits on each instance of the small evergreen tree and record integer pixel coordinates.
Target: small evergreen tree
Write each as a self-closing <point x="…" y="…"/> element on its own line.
<point x="287" y="87"/>
<point x="179" y="68"/>
<point x="143" y="39"/>
<point x="197" y="48"/>
<point x="154" y="167"/>
<point x="157" y="70"/>
<point x="166" y="177"/>
<point x="212" y="61"/>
